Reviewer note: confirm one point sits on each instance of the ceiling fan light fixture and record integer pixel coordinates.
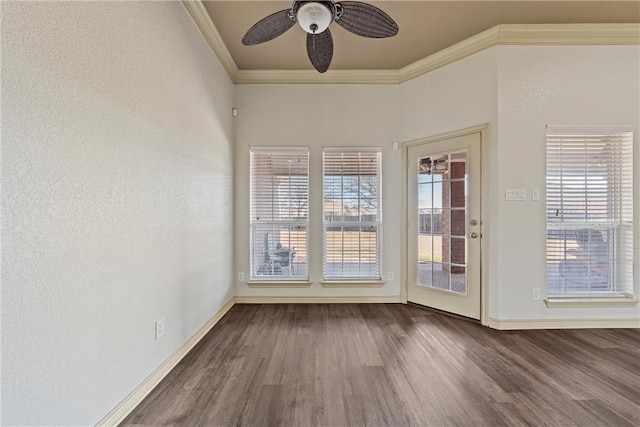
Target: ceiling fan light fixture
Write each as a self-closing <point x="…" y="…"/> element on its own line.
<point x="314" y="17"/>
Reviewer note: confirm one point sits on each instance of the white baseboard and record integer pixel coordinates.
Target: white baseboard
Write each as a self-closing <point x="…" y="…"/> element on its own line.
<point x="562" y="323"/>
<point x="319" y="300"/>
<point x="125" y="407"/>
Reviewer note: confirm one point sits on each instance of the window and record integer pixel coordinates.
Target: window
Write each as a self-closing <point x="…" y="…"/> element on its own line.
<point x="589" y="210"/>
<point x="351" y="205"/>
<point x="279" y="204"/>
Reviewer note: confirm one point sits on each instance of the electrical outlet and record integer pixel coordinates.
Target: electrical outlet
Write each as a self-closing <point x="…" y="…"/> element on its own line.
<point x="392" y="275"/>
<point x="241" y="277"/>
<point x="535" y="194"/>
<point x="536" y="294"/>
<point x="159" y="328"/>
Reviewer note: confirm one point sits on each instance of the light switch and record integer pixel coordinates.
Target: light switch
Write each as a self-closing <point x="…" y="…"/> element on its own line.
<point x="516" y="194"/>
<point x="535" y="194"/>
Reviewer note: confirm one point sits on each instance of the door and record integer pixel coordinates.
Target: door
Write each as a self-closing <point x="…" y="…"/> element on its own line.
<point x="443" y="205"/>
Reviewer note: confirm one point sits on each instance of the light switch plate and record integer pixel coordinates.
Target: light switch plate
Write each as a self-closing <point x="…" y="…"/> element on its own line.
<point x="516" y="194"/>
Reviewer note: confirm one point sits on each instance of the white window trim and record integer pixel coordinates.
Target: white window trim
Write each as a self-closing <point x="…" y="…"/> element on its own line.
<point x="356" y="283"/>
<point x="559" y="301"/>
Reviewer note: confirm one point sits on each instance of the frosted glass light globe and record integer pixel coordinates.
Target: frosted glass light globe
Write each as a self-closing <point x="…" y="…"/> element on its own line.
<point x="314" y="14"/>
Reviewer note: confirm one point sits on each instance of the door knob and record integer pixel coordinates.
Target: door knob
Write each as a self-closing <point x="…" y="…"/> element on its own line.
<point x="473" y="235"/>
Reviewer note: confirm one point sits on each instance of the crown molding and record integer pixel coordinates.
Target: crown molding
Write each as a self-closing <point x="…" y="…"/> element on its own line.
<point x="473" y="44"/>
<point x="334" y="77"/>
<point x="504" y="34"/>
<point x="569" y="34"/>
<point x="204" y="23"/>
<point x="532" y="34"/>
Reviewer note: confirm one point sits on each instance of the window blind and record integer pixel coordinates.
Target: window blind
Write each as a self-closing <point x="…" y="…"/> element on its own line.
<point x="589" y="210"/>
<point x="279" y="203"/>
<point x="351" y="205"/>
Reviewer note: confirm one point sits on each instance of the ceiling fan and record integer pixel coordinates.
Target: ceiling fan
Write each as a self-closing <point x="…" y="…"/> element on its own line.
<point x="315" y="17"/>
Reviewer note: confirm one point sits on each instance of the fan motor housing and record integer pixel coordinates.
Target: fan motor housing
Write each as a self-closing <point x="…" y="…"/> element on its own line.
<point x="297" y="4"/>
<point x="331" y="5"/>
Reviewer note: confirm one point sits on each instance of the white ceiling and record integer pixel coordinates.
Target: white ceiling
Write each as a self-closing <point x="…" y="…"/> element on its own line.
<point x="426" y="27"/>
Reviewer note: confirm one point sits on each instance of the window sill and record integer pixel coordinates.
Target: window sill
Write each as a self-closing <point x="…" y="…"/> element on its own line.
<point x="352" y="283"/>
<point x="586" y="302"/>
<point x="283" y="284"/>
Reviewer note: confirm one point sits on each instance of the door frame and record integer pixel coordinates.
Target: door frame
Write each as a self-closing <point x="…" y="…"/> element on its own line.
<point x="484" y="142"/>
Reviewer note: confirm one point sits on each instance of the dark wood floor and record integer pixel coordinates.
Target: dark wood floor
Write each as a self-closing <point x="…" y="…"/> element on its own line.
<point x="395" y="365"/>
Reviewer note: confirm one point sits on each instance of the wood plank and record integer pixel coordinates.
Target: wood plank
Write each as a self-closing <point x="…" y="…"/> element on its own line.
<point x="394" y="365"/>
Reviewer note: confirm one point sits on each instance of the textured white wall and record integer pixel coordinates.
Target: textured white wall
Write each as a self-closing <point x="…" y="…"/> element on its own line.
<point x="116" y="200"/>
<point x="537" y="86"/>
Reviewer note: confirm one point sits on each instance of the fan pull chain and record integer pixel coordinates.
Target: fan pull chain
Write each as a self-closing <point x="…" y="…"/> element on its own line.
<point x="314" y="28"/>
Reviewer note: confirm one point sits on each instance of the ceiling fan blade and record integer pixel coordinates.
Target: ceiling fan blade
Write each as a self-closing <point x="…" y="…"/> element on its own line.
<point x="320" y="50"/>
<point x="366" y="20"/>
<point x="268" y="28"/>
